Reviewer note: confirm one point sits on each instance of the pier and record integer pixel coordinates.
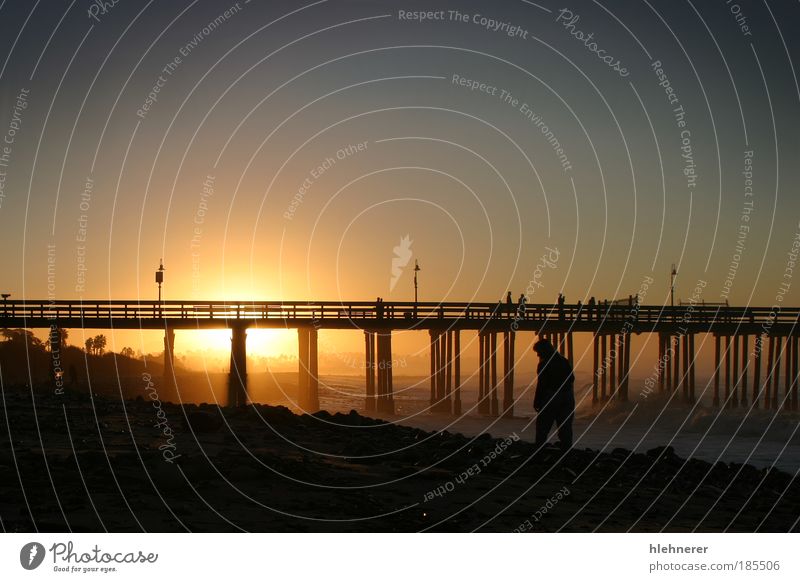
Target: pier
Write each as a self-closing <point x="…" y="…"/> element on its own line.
<point x="737" y="377"/>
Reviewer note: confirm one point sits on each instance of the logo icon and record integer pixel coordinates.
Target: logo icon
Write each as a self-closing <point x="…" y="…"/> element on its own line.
<point x="31" y="555"/>
<point x="402" y="255"/>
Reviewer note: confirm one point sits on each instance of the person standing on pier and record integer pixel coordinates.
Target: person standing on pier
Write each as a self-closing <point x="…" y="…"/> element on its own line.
<point x="554" y="400"/>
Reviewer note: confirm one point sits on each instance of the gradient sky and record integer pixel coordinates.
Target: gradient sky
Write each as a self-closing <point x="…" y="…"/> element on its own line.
<point x="263" y="99"/>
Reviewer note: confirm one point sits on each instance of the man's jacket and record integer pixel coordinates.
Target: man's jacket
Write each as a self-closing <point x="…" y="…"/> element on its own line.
<point x="555" y="381"/>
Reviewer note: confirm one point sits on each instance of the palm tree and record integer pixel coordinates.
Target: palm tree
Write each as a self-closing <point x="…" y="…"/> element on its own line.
<point x="99" y="344"/>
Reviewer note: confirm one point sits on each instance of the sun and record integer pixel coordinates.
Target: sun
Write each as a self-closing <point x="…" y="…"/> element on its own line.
<point x="260" y="342"/>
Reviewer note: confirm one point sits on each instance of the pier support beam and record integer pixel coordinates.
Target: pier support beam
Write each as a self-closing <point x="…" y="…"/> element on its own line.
<point x="509" y="360"/>
<point x="442" y="371"/>
<point x="676" y="363"/>
<point x="685" y="376"/>
<point x="787" y="390"/>
<point x="745" y="369"/>
<point x="385" y="403"/>
<point x="237" y="377"/>
<point x="621" y="365"/>
<point x="308" y="384"/>
<point x="570" y="350"/>
<point x="669" y="355"/>
<point x="757" y="371"/>
<point x="795" y="371"/>
<point x="448" y="372"/>
<point x="717" y="364"/>
<point x="612" y="365"/>
<point x="737" y="373"/>
<point x="776" y="403"/>
<point x="483" y="373"/>
<point x="625" y="340"/>
<point x="603" y="360"/>
<point x="456" y="372"/>
<point x="692" y="358"/>
<point x="169" y="362"/>
<point x="727" y="370"/>
<point x="493" y="401"/>
<point x="595" y="367"/>
<point x="770" y="373"/>
<point x="369" y="359"/>
<point x="434" y="354"/>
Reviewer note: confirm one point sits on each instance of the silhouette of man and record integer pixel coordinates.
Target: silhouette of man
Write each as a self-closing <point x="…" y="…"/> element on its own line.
<point x="509" y="304"/>
<point x="555" y="396"/>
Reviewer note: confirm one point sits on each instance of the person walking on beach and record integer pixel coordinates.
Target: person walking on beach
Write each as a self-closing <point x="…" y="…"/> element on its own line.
<point x="555" y="396"/>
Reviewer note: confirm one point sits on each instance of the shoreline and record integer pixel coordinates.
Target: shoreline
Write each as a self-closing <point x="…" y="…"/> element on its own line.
<point x="92" y="463"/>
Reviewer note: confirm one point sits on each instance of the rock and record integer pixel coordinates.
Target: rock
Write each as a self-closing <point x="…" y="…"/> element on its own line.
<point x="661" y="451"/>
<point x="203" y="422"/>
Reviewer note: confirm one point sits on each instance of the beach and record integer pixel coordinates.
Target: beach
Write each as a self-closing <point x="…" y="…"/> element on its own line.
<point x="84" y="462"/>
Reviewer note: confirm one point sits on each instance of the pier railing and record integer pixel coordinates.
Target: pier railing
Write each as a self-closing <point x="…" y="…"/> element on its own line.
<point x="394" y="311"/>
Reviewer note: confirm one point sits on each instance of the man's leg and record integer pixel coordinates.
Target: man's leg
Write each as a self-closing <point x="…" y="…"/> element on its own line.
<point x="566" y="414"/>
<point x="544" y="421"/>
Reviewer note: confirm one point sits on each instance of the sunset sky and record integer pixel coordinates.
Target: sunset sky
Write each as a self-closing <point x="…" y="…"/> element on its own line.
<point x="282" y="150"/>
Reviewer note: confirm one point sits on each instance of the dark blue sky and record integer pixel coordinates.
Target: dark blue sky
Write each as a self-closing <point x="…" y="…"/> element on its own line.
<point x="210" y="174"/>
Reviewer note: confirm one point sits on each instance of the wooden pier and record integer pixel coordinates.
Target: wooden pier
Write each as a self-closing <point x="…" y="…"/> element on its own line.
<point x="737" y="378"/>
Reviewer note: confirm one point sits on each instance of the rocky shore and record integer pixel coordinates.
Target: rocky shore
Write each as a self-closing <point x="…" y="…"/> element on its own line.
<point x="73" y="462"/>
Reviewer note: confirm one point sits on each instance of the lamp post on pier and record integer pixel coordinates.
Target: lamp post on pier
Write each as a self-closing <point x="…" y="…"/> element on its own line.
<point x="160" y="280"/>
<point x="416" y="270"/>
<point x="672" y="286"/>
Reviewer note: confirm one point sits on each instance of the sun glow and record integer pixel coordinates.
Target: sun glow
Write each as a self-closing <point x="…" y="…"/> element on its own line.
<point x="260" y="342"/>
